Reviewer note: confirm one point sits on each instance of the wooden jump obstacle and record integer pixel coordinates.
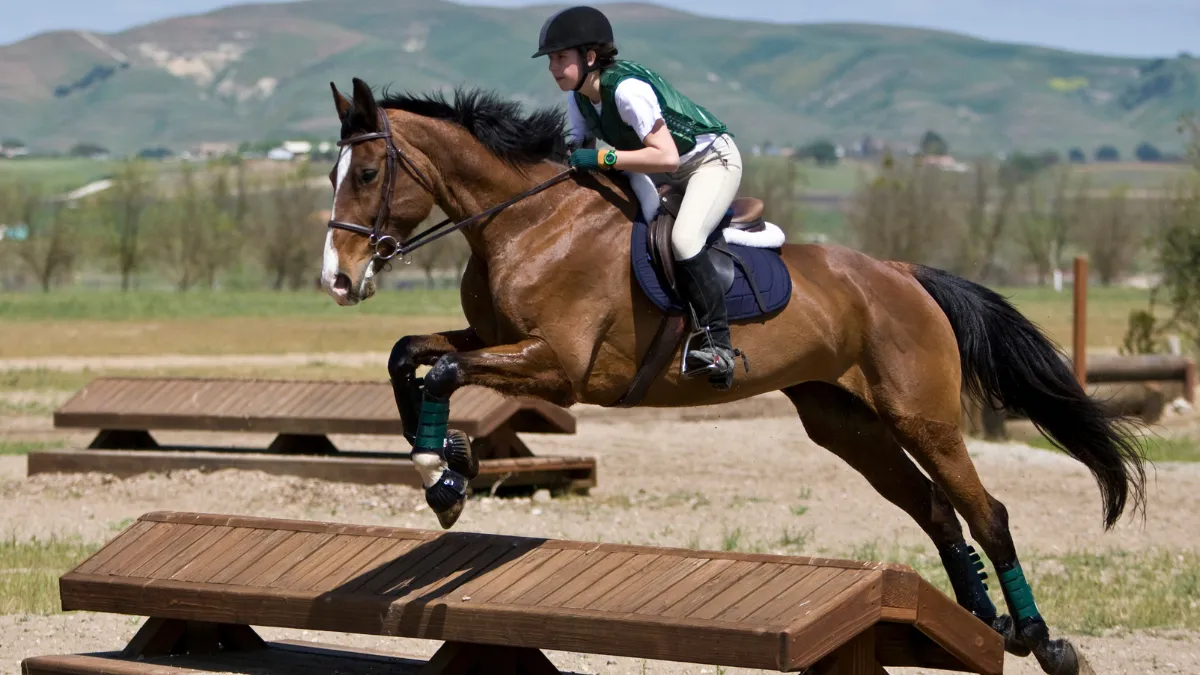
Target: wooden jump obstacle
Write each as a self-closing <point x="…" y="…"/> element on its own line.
<point x="496" y="601"/>
<point x="1139" y="385"/>
<point x="302" y="415"/>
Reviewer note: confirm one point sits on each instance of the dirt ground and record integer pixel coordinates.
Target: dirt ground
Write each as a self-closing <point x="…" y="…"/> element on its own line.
<point x="744" y="473"/>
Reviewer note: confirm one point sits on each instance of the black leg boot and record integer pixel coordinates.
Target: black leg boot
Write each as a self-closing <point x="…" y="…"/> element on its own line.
<point x="712" y="354"/>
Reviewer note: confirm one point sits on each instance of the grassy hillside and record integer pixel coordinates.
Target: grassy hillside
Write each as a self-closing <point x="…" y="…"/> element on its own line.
<point x="255" y="71"/>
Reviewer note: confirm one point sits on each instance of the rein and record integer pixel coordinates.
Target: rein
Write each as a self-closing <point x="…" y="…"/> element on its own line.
<point x="386" y="246"/>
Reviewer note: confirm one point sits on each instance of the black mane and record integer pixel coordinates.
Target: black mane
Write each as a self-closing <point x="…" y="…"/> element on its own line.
<point x="499" y="124"/>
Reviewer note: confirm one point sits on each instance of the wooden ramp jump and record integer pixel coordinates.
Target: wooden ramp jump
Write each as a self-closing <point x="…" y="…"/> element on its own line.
<point x="496" y="601"/>
<point x="302" y="415"/>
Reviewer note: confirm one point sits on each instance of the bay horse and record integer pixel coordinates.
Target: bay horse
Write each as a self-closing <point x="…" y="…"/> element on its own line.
<point x="873" y="354"/>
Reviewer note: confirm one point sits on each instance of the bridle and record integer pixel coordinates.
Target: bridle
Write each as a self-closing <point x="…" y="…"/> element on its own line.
<point x="386" y="246"/>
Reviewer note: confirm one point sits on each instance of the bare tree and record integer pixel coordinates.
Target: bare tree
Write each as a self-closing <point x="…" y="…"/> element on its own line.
<point x="52" y="246"/>
<point x="225" y="215"/>
<point x="286" y="229"/>
<point x="1046" y="223"/>
<point x="909" y="211"/>
<point x="181" y="230"/>
<point x="122" y="210"/>
<point x="1114" y="236"/>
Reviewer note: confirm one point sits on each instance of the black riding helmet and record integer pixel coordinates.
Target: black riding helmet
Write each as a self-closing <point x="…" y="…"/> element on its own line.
<point x="575" y="27"/>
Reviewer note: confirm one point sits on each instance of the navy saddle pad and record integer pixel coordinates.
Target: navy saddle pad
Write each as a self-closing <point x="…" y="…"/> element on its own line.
<point x="764" y="265"/>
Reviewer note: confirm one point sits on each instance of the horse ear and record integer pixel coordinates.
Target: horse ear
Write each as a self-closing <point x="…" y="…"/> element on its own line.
<point x="340" y="102"/>
<point x="364" y="104"/>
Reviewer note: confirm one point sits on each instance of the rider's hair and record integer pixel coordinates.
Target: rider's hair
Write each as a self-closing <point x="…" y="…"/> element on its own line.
<point x="606" y="54"/>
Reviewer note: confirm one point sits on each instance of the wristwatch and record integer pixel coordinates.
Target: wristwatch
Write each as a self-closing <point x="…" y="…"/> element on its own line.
<point x="609" y="158"/>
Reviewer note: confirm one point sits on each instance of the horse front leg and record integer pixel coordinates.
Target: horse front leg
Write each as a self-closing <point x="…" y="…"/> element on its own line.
<point x="527" y="368"/>
<point x="411" y="351"/>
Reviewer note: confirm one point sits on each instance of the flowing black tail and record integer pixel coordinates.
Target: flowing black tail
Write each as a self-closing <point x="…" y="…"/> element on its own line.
<point x="1009" y="363"/>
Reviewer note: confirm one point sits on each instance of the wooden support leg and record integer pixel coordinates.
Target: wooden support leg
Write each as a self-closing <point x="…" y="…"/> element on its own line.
<point x="503" y="443"/>
<point x="856" y="657"/>
<point x="457" y="658"/>
<point x="160" y="637"/>
<point x="123" y="439"/>
<point x="303" y="444"/>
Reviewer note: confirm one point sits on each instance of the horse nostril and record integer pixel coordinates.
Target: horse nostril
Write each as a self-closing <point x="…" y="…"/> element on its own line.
<point x="341" y="283"/>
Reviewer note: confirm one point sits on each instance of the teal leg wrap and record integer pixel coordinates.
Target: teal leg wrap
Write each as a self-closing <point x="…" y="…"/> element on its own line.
<point x="431" y="429"/>
<point x="1017" y="593"/>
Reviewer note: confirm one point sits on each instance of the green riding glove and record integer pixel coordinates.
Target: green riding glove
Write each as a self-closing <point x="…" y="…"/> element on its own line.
<point x="587" y="159"/>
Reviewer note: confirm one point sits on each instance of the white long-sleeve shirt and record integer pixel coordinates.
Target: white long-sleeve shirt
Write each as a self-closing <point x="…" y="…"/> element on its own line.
<point x="638" y="107"/>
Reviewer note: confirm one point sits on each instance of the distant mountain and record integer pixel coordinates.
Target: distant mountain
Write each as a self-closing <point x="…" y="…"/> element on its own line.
<point x="263" y="71"/>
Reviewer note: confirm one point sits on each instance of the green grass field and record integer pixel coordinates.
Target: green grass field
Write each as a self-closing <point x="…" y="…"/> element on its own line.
<point x="840" y="179"/>
<point x="106" y="305"/>
<point x="55" y="175"/>
<point x="92" y="322"/>
<point x="29" y="572"/>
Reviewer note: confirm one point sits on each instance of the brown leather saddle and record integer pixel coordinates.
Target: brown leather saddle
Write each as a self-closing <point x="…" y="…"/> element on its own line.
<point x="745" y="213"/>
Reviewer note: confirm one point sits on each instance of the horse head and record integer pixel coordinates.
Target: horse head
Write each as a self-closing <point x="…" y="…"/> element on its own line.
<point x="381" y="192"/>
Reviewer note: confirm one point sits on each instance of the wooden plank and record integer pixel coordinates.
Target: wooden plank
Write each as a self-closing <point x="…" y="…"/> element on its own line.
<point x="266" y="544"/>
<point x="850" y="612"/>
<point x="283" y="657"/>
<point x="603" y="586"/>
<point x="288" y="406"/>
<point x="177" y="542"/>
<point x="742" y="610"/>
<point x="132" y="534"/>
<point x="396" y="550"/>
<point x="446" y="619"/>
<point x="958" y="632"/>
<point x="756" y="579"/>
<point x="660" y="576"/>
<point x="600" y="564"/>
<point x="793" y="596"/>
<point x="573" y="473"/>
<point x="150" y="543"/>
<point x="414" y="563"/>
<point x="216" y="543"/>
<point x="369" y="561"/>
<point x="341" y="549"/>
<point x="755" y="601"/>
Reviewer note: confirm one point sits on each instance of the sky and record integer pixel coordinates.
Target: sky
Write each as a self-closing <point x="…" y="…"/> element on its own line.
<point x="1115" y="27"/>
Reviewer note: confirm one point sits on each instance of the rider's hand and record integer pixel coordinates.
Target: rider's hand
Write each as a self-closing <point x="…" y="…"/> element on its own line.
<point x="587" y="159"/>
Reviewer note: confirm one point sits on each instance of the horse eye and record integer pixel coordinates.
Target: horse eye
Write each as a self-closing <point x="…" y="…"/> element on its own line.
<point x="368" y="175"/>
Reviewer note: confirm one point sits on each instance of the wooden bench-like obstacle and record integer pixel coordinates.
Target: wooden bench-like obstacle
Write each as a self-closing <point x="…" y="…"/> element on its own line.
<point x="302" y="415"/>
<point x="496" y="601"/>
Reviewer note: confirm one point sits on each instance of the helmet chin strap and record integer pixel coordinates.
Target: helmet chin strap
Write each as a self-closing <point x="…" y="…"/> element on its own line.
<point x="584" y="69"/>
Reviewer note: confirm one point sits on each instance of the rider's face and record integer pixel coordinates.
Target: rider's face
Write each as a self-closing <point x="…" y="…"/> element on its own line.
<point x="565" y="66"/>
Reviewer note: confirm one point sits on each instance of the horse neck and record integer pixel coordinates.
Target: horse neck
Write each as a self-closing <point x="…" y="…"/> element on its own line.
<point x="471" y="180"/>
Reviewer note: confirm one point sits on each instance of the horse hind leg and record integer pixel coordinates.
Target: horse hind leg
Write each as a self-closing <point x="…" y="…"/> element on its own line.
<point x="838" y="421"/>
<point x="939" y="448"/>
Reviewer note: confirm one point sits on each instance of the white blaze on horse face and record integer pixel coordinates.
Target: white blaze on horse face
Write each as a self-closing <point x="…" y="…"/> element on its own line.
<point x="329" y="264"/>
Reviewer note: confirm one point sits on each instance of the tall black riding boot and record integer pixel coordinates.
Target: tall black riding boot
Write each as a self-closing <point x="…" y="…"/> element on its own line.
<point x="712" y="355"/>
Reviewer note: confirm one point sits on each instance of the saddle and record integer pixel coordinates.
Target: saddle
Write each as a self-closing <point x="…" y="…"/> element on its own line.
<point x="745" y="213"/>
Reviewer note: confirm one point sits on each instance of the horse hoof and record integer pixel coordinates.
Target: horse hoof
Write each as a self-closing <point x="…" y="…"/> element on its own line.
<point x="449" y="517"/>
<point x="447" y="496"/>
<point x="458" y="454"/>
<point x="1005" y="626"/>
<point x="1058" y="657"/>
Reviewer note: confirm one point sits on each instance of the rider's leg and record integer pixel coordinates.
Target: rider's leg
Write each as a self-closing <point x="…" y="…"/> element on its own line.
<point x="646" y="193"/>
<point x="712" y="186"/>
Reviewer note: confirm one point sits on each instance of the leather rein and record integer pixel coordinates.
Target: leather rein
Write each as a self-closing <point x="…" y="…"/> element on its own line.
<point x="386" y="246"/>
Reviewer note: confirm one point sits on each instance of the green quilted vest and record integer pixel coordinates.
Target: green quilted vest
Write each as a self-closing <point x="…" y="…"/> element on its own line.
<point x="685" y="119"/>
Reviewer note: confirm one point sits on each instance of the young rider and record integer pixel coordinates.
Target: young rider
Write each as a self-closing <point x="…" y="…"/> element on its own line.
<point x="658" y="132"/>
